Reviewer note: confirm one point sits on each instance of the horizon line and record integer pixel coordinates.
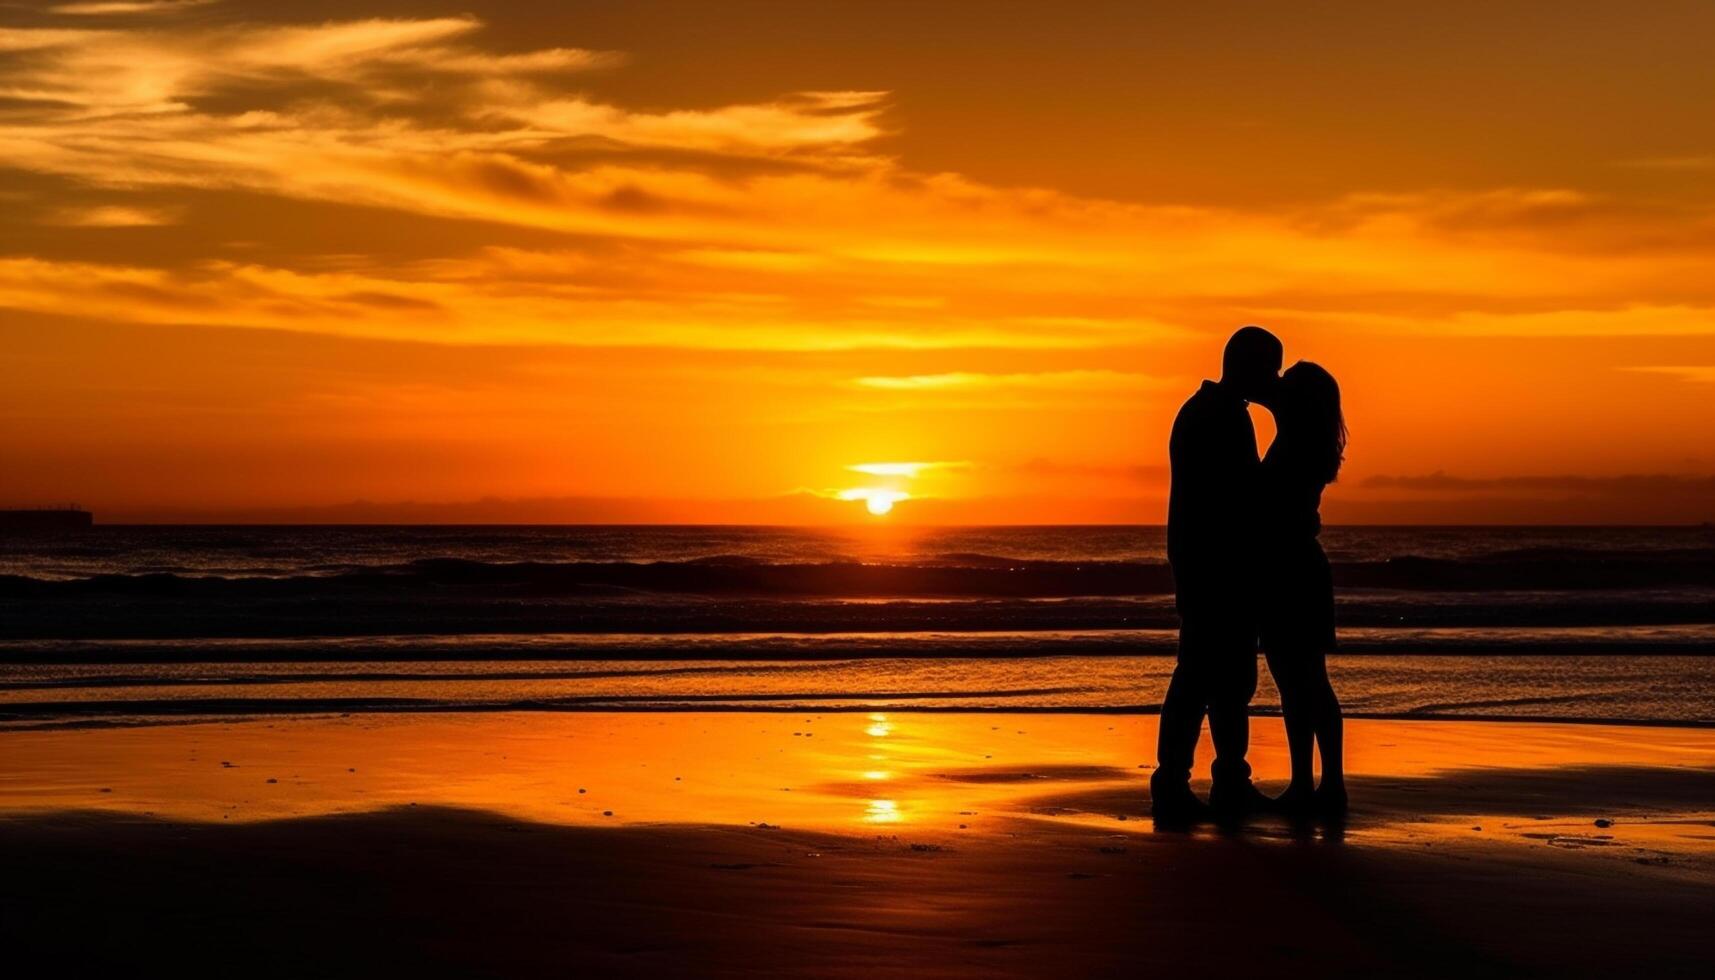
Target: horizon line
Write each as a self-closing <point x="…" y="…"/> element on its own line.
<point x="876" y="524"/>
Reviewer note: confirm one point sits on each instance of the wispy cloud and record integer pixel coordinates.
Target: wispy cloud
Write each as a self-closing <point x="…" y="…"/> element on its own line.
<point x="1629" y="320"/>
<point x="1052" y="380"/>
<point x="100" y="8"/>
<point x="87" y="74"/>
<point x="112" y="216"/>
<point x="1687" y="163"/>
<point x="1151" y="474"/>
<point x="1634" y="486"/>
<point x="1660" y="498"/>
<point x="806" y="120"/>
<point x="911" y="470"/>
<point x="1696" y="373"/>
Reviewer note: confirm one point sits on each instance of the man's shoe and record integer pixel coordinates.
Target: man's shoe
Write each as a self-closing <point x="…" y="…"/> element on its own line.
<point x="1235" y="801"/>
<point x="1174" y="806"/>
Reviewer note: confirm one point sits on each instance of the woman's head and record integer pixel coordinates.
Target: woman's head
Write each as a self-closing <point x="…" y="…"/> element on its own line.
<point x="1306" y="405"/>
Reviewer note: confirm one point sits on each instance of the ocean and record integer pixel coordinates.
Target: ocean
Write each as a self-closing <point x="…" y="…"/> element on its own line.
<point x="127" y="624"/>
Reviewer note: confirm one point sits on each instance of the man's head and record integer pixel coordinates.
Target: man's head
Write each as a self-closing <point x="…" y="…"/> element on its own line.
<point x="1251" y="364"/>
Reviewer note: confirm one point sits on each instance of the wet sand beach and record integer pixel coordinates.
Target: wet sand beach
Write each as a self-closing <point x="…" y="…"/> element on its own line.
<point x="839" y="844"/>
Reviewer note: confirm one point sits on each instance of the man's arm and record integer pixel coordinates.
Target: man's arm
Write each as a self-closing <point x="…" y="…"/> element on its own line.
<point x="1231" y="491"/>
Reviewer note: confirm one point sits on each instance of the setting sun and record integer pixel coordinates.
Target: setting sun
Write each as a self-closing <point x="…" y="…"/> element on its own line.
<point x="876" y="500"/>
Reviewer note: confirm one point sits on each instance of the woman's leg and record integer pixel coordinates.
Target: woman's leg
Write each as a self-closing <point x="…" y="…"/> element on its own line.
<point x="1329" y="725"/>
<point x="1330" y="732"/>
<point x="1289" y="680"/>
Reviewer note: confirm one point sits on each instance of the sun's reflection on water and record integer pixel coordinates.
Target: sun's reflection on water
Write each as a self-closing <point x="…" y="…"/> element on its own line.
<point x="882" y="811"/>
<point x="879" y="811"/>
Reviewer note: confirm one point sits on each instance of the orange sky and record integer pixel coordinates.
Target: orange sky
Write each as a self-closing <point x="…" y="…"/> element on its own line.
<point x="689" y="262"/>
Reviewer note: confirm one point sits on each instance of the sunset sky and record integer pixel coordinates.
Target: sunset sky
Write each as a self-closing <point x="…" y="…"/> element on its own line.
<point x="765" y="262"/>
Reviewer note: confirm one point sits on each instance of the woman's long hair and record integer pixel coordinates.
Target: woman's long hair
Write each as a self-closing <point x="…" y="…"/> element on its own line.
<point x="1308" y="402"/>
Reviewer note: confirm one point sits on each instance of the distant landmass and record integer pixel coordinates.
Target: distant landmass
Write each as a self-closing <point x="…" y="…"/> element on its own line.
<point x="46" y="519"/>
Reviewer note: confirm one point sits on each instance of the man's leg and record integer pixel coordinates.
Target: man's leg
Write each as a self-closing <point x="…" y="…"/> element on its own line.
<point x="1180" y="724"/>
<point x="1232" y="686"/>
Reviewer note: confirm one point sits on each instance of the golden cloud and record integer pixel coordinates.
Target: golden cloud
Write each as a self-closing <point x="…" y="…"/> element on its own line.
<point x="769" y="224"/>
<point x="1695" y="373"/>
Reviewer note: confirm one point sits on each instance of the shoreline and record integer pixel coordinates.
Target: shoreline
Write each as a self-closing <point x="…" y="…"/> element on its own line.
<point x="1697" y="640"/>
<point x="1645" y="690"/>
<point x="187" y="712"/>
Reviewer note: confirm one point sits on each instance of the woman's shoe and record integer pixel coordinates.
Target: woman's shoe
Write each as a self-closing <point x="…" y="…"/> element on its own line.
<point x="1298" y="801"/>
<point x="1331" y="799"/>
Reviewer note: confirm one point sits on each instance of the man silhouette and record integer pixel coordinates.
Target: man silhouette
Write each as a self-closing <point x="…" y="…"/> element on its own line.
<point x="1211" y="545"/>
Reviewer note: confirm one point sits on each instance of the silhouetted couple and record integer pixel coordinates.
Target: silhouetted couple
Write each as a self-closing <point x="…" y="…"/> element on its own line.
<point x="1248" y="570"/>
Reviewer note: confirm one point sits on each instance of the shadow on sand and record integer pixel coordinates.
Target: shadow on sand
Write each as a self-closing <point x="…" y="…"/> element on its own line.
<point x="432" y="891"/>
<point x="1561" y="791"/>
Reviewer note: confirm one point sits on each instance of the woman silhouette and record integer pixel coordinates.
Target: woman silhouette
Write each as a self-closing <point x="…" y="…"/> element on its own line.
<point x="1298" y="612"/>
